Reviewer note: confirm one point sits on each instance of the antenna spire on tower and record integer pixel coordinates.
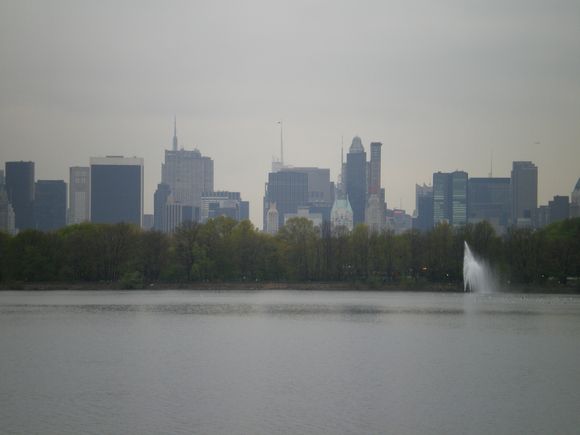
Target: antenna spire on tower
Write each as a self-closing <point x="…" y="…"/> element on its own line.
<point x="281" y="142"/>
<point x="174" y="133"/>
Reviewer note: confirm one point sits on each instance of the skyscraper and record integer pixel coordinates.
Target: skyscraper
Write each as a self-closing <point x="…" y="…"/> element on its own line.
<point x="375" y="210"/>
<point x="272" y="220"/>
<point x="441" y="198"/>
<point x="223" y="203"/>
<point x="159" y="200"/>
<point x="79" y="195"/>
<point x="559" y="208"/>
<point x="490" y="200"/>
<point x="450" y="198"/>
<point x="187" y="173"/>
<point x="356" y="179"/>
<point x="20" y="190"/>
<point x="524" y="192"/>
<point x="289" y="190"/>
<point x="50" y="204"/>
<point x="424" y="208"/>
<point x="575" y="201"/>
<point x="341" y="215"/>
<point x="117" y="189"/>
<point x="375" y="168"/>
<point x="7" y="217"/>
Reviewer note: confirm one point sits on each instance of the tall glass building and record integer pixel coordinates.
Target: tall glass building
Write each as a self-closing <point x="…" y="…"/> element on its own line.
<point x="450" y="196"/>
<point x="490" y="200"/>
<point x="524" y="191"/>
<point x="288" y="190"/>
<point x="356" y="180"/>
<point x="20" y="190"/>
<point x="50" y="204"/>
<point x="117" y="189"/>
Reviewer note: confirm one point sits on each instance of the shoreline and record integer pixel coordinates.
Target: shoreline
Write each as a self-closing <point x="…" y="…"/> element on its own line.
<point x="268" y="285"/>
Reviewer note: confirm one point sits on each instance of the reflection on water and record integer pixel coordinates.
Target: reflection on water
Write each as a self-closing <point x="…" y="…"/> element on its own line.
<point x="288" y="362"/>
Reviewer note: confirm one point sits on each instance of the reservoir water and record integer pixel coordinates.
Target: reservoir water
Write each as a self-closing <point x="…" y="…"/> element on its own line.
<point x="288" y="362"/>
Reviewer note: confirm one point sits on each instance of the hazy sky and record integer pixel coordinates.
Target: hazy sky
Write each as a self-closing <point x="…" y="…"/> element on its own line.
<point x="441" y="83"/>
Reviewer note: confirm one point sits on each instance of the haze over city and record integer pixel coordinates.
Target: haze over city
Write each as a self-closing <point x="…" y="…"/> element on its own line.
<point x="442" y="85"/>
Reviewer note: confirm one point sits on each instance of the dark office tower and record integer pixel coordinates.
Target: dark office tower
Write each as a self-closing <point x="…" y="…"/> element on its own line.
<point x="575" y="201"/>
<point x="375" y="168"/>
<point x="490" y="200"/>
<point x="159" y="201"/>
<point x="524" y="191"/>
<point x="320" y="189"/>
<point x="450" y="198"/>
<point x="356" y="180"/>
<point x="244" y="210"/>
<point x="559" y="208"/>
<point x="458" y="198"/>
<point x="117" y="190"/>
<point x="20" y="190"/>
<point x="441" y="199"/>
<point x="288" y="190"/>
<point x="424" y="208"/>
<point x="50" y="204"/>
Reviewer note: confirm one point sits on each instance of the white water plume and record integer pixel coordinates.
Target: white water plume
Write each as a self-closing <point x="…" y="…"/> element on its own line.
<point x="477" y="276"/>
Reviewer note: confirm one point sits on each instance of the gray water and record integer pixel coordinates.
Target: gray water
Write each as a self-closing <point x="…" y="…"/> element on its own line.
<point x="288" y="362"/>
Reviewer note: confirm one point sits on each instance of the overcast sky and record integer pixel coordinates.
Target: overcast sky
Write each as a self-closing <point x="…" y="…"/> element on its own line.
<point x="442" y="84"/>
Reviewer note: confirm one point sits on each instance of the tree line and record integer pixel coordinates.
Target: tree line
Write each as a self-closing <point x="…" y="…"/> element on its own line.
<point x="225" y="250"/>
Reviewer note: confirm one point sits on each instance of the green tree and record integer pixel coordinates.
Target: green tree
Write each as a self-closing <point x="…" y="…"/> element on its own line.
<point x="34" y="256"/>
<point x="299" y="238"/>
<point x="185" y="239"/>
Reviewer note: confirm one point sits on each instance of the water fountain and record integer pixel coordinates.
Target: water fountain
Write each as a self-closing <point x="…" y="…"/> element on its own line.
<point x="476" y="274"/>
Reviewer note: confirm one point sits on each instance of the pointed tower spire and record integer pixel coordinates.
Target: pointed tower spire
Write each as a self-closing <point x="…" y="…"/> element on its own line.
<point x="174" y="133"/>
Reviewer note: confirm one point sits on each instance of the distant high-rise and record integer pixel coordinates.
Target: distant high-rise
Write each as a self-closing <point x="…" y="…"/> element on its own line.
<point x="575" y="201"/>
<point x="375" y="168"/>
<point x="187" y="173"/>
<point x="175" y="214"/>
<point x="490" y="200"/>
<point x="117" y="189"/>
<point x="79" y="195"/>
<point x="356" y="180"/>
<point x="424" y="208"/>
<point x="441" y="198"/>
<point x="6" y="210"/>
<point x="223" y="203"/>
<point x="375" y="210"/>
<point x="319" y="185"/>
<point x="341" y="215"/>
<point x="159" y="200"/>
<point x="272" y="220"/>
<point x="50" y="204"/>
<point x="289" y="190"/>
<point x="7" y="218"/>
<point x="524" y="193"/>
<point x="559" y="208"/>
<point x="450" y="198"/>
<point x="20" y="190"/>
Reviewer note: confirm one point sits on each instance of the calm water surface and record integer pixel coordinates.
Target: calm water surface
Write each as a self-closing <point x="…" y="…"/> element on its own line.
<point x="288" y="362"/>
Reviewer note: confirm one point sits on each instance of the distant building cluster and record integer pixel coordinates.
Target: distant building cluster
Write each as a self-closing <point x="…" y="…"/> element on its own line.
<point x="110" y="190"/>
<point x="308" y="192"/>
<point x="503" y="202"/>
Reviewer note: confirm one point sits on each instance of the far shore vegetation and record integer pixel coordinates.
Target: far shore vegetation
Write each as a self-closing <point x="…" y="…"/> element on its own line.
<point x="223" y="253"/>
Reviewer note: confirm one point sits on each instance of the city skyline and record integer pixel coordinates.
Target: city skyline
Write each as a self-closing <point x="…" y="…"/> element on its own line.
<point x="443" y="88"/>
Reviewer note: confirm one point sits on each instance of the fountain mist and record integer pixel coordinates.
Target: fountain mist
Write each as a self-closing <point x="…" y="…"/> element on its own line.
<point x="476" y="274"/>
